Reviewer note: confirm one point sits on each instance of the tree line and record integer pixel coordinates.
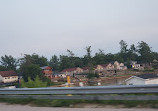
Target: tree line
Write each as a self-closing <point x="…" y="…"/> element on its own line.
<point x="30" y="64"/>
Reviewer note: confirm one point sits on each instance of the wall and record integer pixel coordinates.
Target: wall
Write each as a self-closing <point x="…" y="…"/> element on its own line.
<point x="1" y="78"/>
<point x="152" y="81"/>
<point x="10" y="79"/>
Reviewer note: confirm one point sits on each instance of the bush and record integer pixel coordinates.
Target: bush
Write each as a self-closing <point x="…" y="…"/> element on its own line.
<point x="33" y="84"/>
<point x="92" y="75"/>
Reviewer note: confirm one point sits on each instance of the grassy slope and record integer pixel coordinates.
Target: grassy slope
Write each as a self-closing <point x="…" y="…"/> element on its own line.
<point x="68" y="103"/>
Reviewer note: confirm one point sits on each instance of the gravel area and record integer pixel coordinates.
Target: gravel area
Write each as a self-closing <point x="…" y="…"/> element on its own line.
<point x="15" y="107"/>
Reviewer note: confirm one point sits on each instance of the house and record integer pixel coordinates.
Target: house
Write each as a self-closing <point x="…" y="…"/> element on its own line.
<point x="71" y="71"/>
<point x="122" y="66"/>
<point x="8" y="76"/>
<point x="104" y="67"/>
<point x="57" y="74"/>
<point x="155" y="63"/>
<point x="148" y="66"/>
<point x="119" y="66"/>
<point x="47" y="71"/>
<point x="135" y="65"/>
<point x="85" y="69"/>
<point x="142" y="79"/>
<point x="116" y="65"/>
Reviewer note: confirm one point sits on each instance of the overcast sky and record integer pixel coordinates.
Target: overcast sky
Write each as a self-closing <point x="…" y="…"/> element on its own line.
<point x="49" y="27"/>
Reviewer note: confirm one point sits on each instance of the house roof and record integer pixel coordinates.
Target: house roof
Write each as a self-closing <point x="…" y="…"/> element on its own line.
<point x="45" y="67"/>
<point x="56" y="73"/>
<point x="69" y="69"/>
<point x="104" y="65"/>
<point x="148" y="76"/>
<point x="8" y="73"/>
<point x="85" y="68"/>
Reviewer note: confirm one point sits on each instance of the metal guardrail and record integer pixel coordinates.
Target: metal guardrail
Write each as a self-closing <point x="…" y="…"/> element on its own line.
<point x="84" y="90"/>
<point x="89" y="93"/>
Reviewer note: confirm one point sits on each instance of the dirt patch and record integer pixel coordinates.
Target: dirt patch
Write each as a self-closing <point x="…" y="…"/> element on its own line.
<point x="85" y="105"/>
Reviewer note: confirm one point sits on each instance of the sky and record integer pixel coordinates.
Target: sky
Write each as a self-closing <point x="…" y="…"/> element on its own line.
<point x="48" y="27"/>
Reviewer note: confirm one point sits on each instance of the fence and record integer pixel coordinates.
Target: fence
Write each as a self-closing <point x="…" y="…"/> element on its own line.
<point x="139" y="92"/>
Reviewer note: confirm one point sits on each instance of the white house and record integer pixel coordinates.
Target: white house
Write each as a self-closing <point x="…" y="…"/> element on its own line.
<point x="8" y="76"/>
<point x="142" y="79"/>
<point x="135" y="65"/>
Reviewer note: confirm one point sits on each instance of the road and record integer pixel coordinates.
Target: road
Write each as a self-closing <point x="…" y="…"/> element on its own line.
<point x="8" y="107"/>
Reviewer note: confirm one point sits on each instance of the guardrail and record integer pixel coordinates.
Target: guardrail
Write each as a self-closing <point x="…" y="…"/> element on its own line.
<point x="89" y="93"/>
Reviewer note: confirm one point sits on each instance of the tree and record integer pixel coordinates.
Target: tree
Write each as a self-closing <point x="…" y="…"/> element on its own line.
<point x="78" y="62"/>
<point x="145" y="52"/>
<point x="9" y="62"/>
<point x="54" y="62"/>
<point x="88" y="49"/>
<point x="71" y="57"/>
<point x="110" y="57"/>
<point x="39" y="60"/>
<point x="31" y="70"/>
<point x="70" y="53"/>
<point x="89" y="57"/>
<point x="155" y="55"/>
<point x="117" y="57"/>
<point x="123" y="46"/>
<point x="123" y="50"/>
<point x="100" y="57"/>
<point x="34" y="59"/>
<point x="132" y="53"/>
<point x="70" y="61"/>
<point x="65" y="62"/>
<point x="2" y="68"/>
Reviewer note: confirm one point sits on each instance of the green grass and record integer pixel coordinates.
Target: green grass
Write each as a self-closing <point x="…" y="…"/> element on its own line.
<point x="57" y="83"/>
<point x="68" y="103"/>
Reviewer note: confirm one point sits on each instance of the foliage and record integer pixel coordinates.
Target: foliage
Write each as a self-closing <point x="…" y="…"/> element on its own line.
<point x="145" y="52"/>
<point x="92" y="75"/>
<point x="31" y="70"/>
<point x="2" y="68"/>
<point x="141" y="53"/>
<point x="34" y="59"/>
<point x="69" y="61"/>
<point x="33" y="84"/>
<point x="72" y="103"/>
<point x="100" y="57"/>
<point x="48" y="81"/>
<point x="54" y="62"/>
<point x="123" y="50"/>
<point x="9" y="62"/>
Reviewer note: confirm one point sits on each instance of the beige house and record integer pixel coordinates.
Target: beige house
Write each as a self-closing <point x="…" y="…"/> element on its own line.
<point x="8" y="76"/>
<point x="104" y="67"/>
<point x="119" y="66"/>
<point x="71" y="71"/>
<point x="116" y="65"/>
<point x="85" y="69"/>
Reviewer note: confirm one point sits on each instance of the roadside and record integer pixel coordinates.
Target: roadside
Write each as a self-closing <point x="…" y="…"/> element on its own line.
<point x="82" y="103"/>
<point x="11" y="107"/>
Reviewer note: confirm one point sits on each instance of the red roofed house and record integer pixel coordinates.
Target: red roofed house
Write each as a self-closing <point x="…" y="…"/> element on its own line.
<point x="8" y="76"/>
<point x="47" y="71"/>
<point x="71" y="71"/>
